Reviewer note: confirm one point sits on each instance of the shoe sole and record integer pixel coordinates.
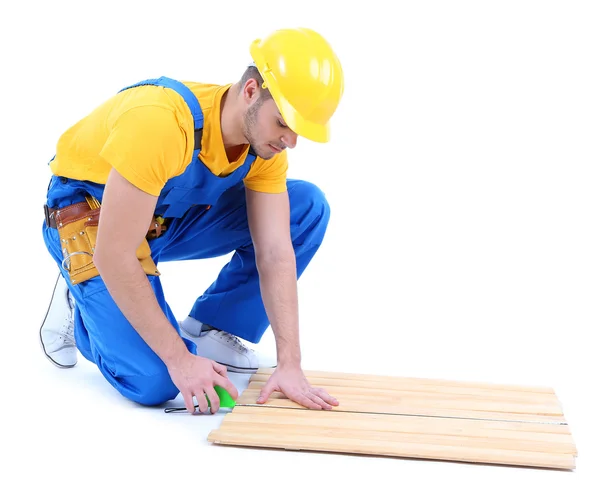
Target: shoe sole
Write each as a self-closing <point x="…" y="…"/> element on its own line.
<point x="235" y="369"/>
<point x="238" y="369"/>
<point x="42" y="326"/>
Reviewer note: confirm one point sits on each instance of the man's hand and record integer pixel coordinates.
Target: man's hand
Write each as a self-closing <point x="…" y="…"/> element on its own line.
<point x="294" y="385"/>
<point x="197" y="376"/>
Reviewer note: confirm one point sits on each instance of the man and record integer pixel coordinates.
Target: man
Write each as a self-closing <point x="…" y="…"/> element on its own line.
<point x="168" y="170"/>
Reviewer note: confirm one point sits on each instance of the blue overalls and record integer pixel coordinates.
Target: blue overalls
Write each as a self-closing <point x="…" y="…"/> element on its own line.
<point x="232" y="303"/>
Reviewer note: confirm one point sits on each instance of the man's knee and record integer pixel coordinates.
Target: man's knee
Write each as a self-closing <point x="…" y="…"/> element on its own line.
<point x="148" y="390"/>
<point x="140" y="376"/>
<point x="158" y="388"/>
<point x="310" y="211"/>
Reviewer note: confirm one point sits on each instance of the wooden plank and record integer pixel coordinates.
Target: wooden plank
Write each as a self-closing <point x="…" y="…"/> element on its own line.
<point x="427" y="391"/>
<point x="441" y="408"/>
<point x="409" y="417"/>
<point x="360" y="445"/>
<point x="379" y="381"/>
<point x="440" y="401"/>
<point x="363" y="433"/>
<point x="466" y="432"/>
<point x="409" y="423"/>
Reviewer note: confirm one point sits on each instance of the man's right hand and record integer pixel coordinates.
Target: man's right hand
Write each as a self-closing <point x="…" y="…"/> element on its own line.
<point x="196" y="376"/>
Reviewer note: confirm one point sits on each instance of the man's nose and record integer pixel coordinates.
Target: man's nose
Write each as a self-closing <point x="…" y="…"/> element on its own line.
<point x="290" y="139"/>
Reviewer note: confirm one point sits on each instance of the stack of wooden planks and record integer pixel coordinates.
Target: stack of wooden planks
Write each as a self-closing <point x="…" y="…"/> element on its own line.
<point x="408" y="417"/>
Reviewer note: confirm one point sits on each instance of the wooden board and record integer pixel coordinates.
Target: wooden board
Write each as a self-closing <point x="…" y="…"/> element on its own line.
<point x="409" y="417"/>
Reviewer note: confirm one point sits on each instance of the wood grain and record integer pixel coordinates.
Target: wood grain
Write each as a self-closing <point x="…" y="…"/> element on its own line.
<point x="409" y="417"/>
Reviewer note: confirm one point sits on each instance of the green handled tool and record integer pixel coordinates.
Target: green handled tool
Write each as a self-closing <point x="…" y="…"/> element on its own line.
<point x="224" y="397"/>
<point x="225" y="401"/>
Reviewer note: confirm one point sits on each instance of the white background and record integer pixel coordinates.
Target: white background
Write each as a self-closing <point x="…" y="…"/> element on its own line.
<point x="464" y="241"/>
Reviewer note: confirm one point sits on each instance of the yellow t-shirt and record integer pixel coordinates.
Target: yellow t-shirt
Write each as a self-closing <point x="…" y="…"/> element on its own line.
<point x="147" y="135"/>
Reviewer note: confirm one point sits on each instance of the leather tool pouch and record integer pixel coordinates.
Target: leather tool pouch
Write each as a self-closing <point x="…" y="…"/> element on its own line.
<point x="78" y="229"/>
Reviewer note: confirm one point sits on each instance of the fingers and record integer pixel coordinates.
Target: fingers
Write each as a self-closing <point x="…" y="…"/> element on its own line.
<point x="201" y="400"/>
<point x="198" y="379"/>
<point x="189" y="402"/>
<point x="319" y="401"/>
<point x="325" y="396"/>
<point x="223" y="381"/>
<point x="214" y="399"/>
<point x="227" y="385"/>
<point x="315" y="398"/>
<point x="266" y="391"/>
<point x="308" y="400"/>
<point x="220" y="369"/>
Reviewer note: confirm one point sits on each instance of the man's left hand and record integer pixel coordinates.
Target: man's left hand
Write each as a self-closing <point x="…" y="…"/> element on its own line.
<point x="294" y="385"/>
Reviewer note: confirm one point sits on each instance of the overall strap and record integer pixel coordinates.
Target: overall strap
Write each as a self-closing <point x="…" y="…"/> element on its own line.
<point x="190" y="100"/>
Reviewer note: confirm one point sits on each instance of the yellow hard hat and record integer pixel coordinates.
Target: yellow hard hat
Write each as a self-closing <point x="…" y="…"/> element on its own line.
<point x="304" y="76"/>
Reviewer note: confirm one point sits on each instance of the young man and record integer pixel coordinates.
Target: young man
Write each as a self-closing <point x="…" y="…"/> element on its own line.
<point x="168" y="170"/>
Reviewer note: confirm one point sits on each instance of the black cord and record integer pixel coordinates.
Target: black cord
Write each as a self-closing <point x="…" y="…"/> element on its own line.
<point x="177" y="409"/>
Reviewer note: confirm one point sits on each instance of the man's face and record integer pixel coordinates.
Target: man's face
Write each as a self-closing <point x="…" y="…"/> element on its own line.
<point x="265" y="129"/>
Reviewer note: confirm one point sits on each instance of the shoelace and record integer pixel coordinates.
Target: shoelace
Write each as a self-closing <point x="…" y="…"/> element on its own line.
<point x="69" y="333"/>
<point x="237" y="344"/>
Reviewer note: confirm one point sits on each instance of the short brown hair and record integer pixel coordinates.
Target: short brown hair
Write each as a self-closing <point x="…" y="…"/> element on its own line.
<point x="252" y="72"/>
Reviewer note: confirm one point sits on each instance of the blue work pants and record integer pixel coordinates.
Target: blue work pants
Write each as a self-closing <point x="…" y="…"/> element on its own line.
<point x="232" y="303"/>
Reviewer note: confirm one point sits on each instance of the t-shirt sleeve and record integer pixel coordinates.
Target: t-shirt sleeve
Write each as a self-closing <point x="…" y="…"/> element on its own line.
<point x="268" y="176"/>
<point x="146" y="146"/>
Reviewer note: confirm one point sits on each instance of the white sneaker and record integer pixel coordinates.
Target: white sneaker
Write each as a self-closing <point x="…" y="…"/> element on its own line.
<point x="56" y="333"/>
<point x="223" y="347"/>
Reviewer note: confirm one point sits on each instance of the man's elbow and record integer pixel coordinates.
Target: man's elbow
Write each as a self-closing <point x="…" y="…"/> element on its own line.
<point x="274" y="256"/>
<point x="107" y="256"/>
<point x="103" y="257"/>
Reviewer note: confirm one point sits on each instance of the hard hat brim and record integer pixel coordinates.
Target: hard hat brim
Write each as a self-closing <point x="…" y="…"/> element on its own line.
<point x="301" y="126"/>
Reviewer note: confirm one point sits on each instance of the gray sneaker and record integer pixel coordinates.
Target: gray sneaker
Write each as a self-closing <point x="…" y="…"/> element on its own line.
<point x="224" y="348"/>
<point x="56" y="333"/>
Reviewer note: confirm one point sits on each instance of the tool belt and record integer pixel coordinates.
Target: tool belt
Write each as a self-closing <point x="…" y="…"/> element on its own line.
<point x="77" y="227"/>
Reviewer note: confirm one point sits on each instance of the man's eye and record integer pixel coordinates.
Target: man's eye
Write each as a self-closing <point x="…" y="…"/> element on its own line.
<point x="281" y="124"/>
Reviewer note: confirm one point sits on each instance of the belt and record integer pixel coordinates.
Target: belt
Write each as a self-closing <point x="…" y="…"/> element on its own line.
<point x="71" y="212"/>
<point x="55" y="217"/>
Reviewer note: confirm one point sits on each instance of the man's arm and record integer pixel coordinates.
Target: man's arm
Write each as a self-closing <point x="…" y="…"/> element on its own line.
<point x="269" y="222"/>
<point x="124" y="220"/>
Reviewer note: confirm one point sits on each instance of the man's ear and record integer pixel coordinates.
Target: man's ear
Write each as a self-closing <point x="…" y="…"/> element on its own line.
<point x="251" y="91"/>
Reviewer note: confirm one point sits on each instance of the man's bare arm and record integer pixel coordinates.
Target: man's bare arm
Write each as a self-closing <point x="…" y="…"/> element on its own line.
<point x="124" y="220"/>
<point x="269" y="222"/>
